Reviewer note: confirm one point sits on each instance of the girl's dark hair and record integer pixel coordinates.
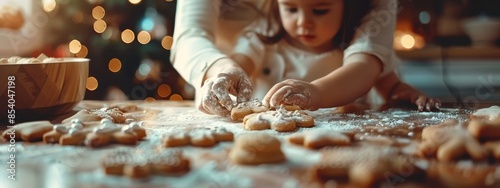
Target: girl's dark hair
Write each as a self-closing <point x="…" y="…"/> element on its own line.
<point x="354" y="12"/>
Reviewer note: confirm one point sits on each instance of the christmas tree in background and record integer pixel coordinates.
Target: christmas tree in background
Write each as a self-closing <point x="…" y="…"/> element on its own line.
<point x="128" y="43"/>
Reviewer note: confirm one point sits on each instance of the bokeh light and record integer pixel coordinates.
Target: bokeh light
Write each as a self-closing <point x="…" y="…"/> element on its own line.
<point x="115" y="65"/>
<point x="128" y="36"/>
<point x="408" y="41"/>
<point x="84" y="51"/>
<point x="164" y="90"/>
<point x="134" y="1"/>
<point x="100" y="26"/>
<point x="149" y="99"/>
<point x="176" y="97"/>
<point x="75" y="46"/>
<point x="166" y="42"/>
<point x="49" y="5"/>
<point x="98" y="12"/>
<point x="92" y="83"/>
<point x="143" y="37"/>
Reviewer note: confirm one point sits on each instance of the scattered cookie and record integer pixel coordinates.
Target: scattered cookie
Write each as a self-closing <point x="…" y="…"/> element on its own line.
<point x="197" y="137"/>
<point x="28" y="131"/>
<point x="320" y="138"/>
<point x="202" y="138"/>
<point x="220" y="134"/>
<point x="491" y="113"/>
<point x="169" y="162"/>
<point x="176" y="139"/>
<point x="113" y="114"/>
<point x="256" y="148"/>
<point x="485" y="129"/>
<point x="280" y="120"/>
<point x="246" y="108"/>
<point x="107" y="134"/>
<point x="449" y="141"/>
<point x="139" y="166"/>
<point x="75" y="134"/>
<point x="364" y="166"/>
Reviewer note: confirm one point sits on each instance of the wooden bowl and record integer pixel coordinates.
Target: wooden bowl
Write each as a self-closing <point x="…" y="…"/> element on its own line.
<point x="41" y="90"/>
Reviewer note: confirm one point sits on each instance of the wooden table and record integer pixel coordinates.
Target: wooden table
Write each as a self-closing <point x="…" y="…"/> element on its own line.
<point x="41" y="165"/>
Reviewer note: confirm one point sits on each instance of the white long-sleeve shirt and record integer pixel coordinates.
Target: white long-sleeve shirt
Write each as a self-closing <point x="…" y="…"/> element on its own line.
<point x="202" y="24"/>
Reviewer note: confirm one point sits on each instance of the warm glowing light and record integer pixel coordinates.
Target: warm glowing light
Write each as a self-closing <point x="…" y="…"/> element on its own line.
<point x="149" y="99"/>
<point x="98" y="12"/>
<point x="83" y="52"/>
<point x="408" y="41"/>
<point x="92" y="83"/>
<point x="176" y="97"/>
<point x="164" y="90"/>
<point x="166" y="42"/>
<point x="49" y="5"/>
<point x="169" y="0"/>
<point x="75" y="46"/>
<point x="128" y="36"/>
<point x="114" y="65"/>
<point x="100" y="26"/>
<point x="143" y="37"/>
<point x="134" y="1"/>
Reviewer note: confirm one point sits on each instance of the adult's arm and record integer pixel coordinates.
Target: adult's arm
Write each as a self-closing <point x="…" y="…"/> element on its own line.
<point x="193" y="50"/>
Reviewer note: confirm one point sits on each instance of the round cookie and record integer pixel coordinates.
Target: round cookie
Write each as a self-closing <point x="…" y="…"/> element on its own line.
<point x="256" y="148"/>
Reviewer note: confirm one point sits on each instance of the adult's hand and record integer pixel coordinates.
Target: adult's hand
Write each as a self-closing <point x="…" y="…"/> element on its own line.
<point x="230" y="79"/>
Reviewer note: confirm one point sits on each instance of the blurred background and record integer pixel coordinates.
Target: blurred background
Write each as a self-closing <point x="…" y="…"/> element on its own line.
<point x="449" y="49"/>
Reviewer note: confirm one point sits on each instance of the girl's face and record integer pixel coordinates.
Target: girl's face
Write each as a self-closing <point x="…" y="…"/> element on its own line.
<point x="312" y="23"/>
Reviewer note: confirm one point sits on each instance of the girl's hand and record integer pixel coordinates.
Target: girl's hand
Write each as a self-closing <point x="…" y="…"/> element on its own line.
<point x="404" y="94"/>
<point x="216" y="91"/>
<point x="293" y="92"/>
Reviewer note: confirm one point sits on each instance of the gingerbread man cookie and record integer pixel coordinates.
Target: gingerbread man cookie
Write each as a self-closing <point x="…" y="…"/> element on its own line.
<point x="246" y="108"/>
<point x="69" y="135"/>
<point x="449" y="141"/>
<point x="28" y="131"/>
<point x="113" y="114"/>
<point x="109" y="133"/>
<point x="280" y="120"/>
<point x="133" y="165"/>
<point x="256" y="148"/>
<point x="320" y="138"/>
<point x="363" y="166"/>
<point x="197" y="137"/>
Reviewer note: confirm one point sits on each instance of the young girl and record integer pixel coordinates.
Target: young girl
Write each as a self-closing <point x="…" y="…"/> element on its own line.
<point x="303" y="60"/>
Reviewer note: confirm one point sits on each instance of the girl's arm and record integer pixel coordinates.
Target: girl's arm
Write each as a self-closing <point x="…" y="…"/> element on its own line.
<point x="340" y="87"/>
<point x="350" y="81"/>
